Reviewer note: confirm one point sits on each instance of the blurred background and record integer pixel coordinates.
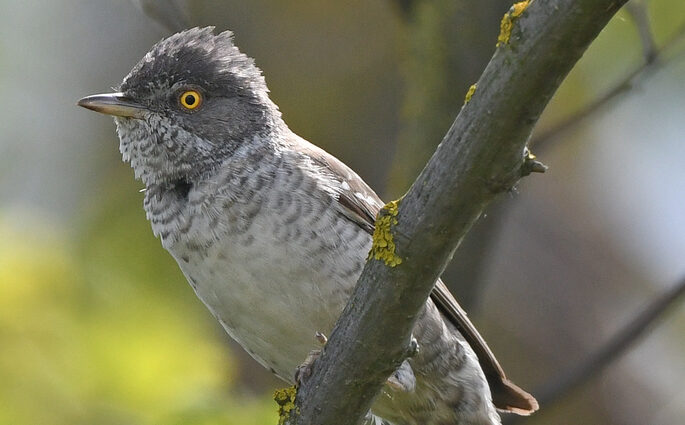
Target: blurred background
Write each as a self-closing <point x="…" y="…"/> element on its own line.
<point x="97" y="324"/>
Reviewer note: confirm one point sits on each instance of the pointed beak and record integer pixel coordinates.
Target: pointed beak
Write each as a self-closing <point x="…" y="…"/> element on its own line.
<point x="113" y="104"/>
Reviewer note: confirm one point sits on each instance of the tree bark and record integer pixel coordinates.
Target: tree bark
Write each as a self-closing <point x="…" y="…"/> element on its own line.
<point x="481" y="156"/>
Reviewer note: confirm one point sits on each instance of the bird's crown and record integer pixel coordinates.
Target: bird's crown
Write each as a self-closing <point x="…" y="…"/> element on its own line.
<point x="195" y="57"/>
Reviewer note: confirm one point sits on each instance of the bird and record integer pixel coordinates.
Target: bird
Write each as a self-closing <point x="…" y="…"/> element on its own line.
<point x="272" y="232"/>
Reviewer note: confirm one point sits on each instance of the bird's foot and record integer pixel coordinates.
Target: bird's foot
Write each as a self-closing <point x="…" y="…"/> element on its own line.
<point x="321" y="338"/>
<point x="403" y="379"/>
<point x="413" y="348"/>
<point x="304" y="370"/>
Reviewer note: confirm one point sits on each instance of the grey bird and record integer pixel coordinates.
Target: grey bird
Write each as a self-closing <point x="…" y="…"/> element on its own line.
<point x="272" y="232"/>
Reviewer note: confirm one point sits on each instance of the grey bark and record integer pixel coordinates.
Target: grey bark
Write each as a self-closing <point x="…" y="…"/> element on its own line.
<point x="480" y="157"/>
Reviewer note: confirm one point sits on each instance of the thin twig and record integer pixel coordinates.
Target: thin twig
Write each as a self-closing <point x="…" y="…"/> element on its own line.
<point x="638" y="12"/>
<point x="405" y="7"/>
<point x="652" y="63"/>
<point x="561" y="386"/>
<point x="171" y="15"/>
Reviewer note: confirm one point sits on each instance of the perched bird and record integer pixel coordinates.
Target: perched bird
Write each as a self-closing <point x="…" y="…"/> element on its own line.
<point x="272" y="232"/>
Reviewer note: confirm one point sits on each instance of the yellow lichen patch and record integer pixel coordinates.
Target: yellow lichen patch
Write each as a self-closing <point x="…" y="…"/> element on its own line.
<point x="285" y="398"/>
<point x="469" y="94"/>
<point x="508" y="19"/>
<point x="383" y="247"/>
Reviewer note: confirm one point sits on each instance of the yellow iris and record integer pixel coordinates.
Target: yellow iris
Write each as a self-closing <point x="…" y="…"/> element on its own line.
<point x="190" y="99"/>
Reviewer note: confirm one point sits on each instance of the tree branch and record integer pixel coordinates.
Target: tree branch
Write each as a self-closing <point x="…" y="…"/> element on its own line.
<point x="637" y="9"/>
<point x="171" y="15"/>
<point x="654" y="60"/>
<point x="481" y="156"/>
<point x="559" y="387"/>
<point x="612" y="349"/>
<point x="405" y="6"/>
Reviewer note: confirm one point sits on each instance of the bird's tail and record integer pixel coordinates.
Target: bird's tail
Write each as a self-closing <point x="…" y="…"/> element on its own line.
<point x="508" y="397"/>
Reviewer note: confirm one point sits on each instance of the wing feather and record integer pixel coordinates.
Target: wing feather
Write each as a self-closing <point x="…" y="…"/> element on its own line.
<point x="359" y="203"/>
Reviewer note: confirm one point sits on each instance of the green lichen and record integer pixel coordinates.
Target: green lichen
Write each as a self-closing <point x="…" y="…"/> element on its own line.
<point x="285" y="398"/>
<point x="383" y="247"/>
<point x="507" y="23"/>
<point x="469" y="94"/>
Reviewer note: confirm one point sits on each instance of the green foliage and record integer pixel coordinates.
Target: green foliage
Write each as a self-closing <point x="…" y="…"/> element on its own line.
<point x="90" y="336"/>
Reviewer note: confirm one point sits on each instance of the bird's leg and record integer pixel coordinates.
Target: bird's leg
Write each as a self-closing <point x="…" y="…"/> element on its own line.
<point x="321" y="338"/>
<point x="304" y="370"/>
<point x="413" y="347"/>
<point x="403" y="378"/>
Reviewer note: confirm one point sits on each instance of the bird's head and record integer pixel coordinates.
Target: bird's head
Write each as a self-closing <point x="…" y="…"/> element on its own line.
<point x="189" y="104"/>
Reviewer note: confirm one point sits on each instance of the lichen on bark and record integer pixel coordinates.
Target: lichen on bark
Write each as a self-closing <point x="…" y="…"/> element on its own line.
<point x="285" y="398"/>
<point x="383" y="247"/>
<point x="469" y="93"/>
<point x="507" y="23"/>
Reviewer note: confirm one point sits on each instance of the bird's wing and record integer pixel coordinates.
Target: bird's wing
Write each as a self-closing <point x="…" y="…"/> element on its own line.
<point x="358" y="202"/>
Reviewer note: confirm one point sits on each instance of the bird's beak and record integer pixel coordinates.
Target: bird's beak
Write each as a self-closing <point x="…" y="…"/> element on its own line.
<point x="113" y="104"/>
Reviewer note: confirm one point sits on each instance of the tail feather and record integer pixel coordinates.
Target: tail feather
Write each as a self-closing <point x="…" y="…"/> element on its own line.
<point x="508" y="397"/>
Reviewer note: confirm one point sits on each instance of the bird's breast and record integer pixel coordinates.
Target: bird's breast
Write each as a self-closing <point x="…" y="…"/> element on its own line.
<point x="271" y="259"/>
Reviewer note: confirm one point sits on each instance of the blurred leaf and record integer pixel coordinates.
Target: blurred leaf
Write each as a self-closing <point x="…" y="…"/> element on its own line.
<point x="90" y="341"/>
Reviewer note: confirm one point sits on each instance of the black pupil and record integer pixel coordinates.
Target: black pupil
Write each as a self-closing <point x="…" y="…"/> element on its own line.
<point x="190" y="100"/>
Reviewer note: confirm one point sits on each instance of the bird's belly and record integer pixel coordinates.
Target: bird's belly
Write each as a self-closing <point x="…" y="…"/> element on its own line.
<point x="272" y="291"/>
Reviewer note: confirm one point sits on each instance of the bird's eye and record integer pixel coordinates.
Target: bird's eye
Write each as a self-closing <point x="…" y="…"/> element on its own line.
<point x="190" y="99"/>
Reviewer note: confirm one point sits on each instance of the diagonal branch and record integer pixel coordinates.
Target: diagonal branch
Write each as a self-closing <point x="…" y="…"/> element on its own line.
<point x="171" y="15"/>
<point x="481" y="156"/>
<point x="405" y="6"/>
<point x="612" y="349"/>
<point x="654" y="60"/>
<point x="637" y="9"/>
<point x="559" y="387"/>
